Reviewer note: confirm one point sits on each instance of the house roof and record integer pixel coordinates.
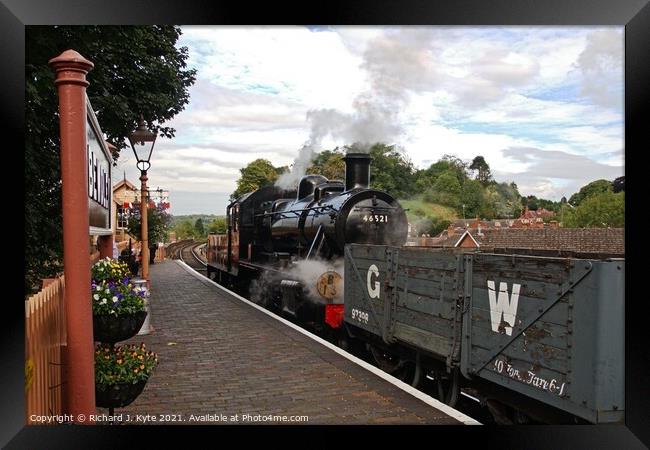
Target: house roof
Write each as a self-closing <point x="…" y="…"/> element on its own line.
<point x="466" y="234"/>
<point x="474" y="223"/>
<point x="609" y="241"/>
<point x="540" y="212"/>
<point x="124" y="182"/>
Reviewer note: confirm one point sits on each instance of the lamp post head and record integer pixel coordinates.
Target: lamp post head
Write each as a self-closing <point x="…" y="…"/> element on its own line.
<point x="142" y="141"/>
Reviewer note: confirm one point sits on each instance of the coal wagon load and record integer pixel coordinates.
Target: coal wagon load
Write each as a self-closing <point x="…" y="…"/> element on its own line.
<point x="543" y="335"/>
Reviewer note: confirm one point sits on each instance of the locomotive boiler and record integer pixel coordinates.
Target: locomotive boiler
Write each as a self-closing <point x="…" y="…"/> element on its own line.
<point x="282" y="246"/>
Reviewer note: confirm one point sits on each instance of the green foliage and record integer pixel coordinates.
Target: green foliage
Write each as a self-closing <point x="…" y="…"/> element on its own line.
<point x="447" y="182"/>
<point x="446" y="190"/>
<point x="601" y="210"/>
<point x="425" y="217"/>
<point x="419" y="205"/>
<point x="330" y="164"/>
<point x="137" y="70"/>
<point x="206" y="218"/>
<point x="218" y="225"/>
<point x="391" y="171"/>
<point x="482" y="169"/>
<point x="185" y="230"/>
<point x="595" y="187"/>
<point x="158" y="222"/>
<point x="472" y="198"/>
<point x="199" y="228"/>
<point x="533" y="203"/>
<point x="425" y="179"/>
<point x="501" y="201"/>
<point x="432" y="226"/>
<point x="122" y="364"/>
<point x="255" y="175"/>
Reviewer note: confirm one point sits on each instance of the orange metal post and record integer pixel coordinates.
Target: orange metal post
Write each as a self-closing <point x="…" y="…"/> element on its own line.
<point x="144" y="250"/>
<point x="71" y="69"/>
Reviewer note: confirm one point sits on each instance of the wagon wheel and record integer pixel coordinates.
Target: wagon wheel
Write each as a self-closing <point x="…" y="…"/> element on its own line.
<point x="447" y="387"/>
<point x="391" y="363"/>
<point x="386" y="361"/>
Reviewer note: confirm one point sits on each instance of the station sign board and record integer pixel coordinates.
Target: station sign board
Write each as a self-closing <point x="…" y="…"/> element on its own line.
<point x="100" y="185"/>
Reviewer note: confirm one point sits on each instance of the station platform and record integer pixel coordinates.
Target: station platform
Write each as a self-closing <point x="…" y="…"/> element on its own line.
<point x="224" y="360"/>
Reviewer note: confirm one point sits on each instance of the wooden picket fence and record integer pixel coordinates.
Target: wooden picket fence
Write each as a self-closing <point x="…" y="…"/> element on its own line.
<point x="45" y="339"/>
<point x="161" y="254"/>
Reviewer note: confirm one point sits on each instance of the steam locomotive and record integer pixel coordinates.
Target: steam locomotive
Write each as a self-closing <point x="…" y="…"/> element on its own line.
<point x="273" y="234"/>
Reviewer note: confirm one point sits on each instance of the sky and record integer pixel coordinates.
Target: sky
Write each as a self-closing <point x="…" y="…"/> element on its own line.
<point x="542" y="105"/>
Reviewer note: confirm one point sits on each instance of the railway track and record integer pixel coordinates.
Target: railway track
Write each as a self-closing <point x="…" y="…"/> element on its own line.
<point x="191" y="253"/>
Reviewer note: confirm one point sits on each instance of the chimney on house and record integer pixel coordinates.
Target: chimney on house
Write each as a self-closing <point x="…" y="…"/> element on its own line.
<point x="450" y="230"/>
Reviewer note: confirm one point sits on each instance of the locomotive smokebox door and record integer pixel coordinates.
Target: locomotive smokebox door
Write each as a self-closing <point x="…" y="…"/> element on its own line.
<point x="329" y="285"/>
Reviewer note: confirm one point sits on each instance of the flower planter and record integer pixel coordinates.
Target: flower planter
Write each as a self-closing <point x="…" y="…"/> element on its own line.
<point x="110" y="328"/>
<point x="117" y="395"/>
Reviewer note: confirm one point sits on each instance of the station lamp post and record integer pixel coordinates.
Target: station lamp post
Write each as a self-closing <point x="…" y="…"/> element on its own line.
<point x="142" y="141"/>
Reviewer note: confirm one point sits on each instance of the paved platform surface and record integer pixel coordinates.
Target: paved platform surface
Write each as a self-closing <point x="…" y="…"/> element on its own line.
<point x="221" y="361"/>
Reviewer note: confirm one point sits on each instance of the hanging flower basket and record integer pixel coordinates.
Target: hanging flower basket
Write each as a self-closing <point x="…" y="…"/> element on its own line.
<point x="118" y="302"/>
<point x="113" y="328"/>
<point x="121" y="372"/>
<point x="117" y="395"/>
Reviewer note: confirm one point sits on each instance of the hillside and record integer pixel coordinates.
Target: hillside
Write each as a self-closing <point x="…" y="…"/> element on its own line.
<point x="418" y="208"/>
<point x="192" y="218"/>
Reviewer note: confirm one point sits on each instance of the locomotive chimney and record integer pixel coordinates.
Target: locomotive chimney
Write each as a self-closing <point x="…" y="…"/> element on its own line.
<point x="357" y="170"/>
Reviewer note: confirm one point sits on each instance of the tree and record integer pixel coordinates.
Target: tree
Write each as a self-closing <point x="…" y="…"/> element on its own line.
<point x="199" y="228"/>
<point x="328" y="163"/>
<point x="447" y="182"/>
<point x="595" y="187"/>
<point x="185" y="230"/>
<point x="446" y="190"/>
<point x="605" y="209"/>
<point x="158" y="222"/>
<point x="218" y="225"/>
<point x="483" y="170"/>
<point x="256" y="174"/>
<point x="391" y="171"/>
<point x="472" y="198"/>
<point x="137" y="70"/>
<point x="426" y="178"/>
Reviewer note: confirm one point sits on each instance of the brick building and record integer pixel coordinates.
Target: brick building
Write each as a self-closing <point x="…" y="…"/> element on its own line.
<point x="125" y="195"/>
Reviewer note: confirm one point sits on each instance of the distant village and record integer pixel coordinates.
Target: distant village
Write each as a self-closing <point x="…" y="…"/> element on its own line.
<point x="535" y="231"/>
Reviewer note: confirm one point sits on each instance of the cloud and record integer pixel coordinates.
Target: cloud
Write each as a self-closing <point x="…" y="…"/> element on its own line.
<point x="601" y="64"/>
<point x="220" y="107"/>
<point x="266" y="92"/>
<point x="554" y="174"/>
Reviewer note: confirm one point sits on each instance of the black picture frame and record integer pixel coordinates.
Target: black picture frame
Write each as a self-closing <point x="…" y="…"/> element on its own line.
<point x="633" y="14"/>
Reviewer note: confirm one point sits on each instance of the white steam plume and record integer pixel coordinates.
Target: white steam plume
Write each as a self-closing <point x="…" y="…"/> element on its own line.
<point x="308" y="272"/>
<point x="394" y="65"/>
